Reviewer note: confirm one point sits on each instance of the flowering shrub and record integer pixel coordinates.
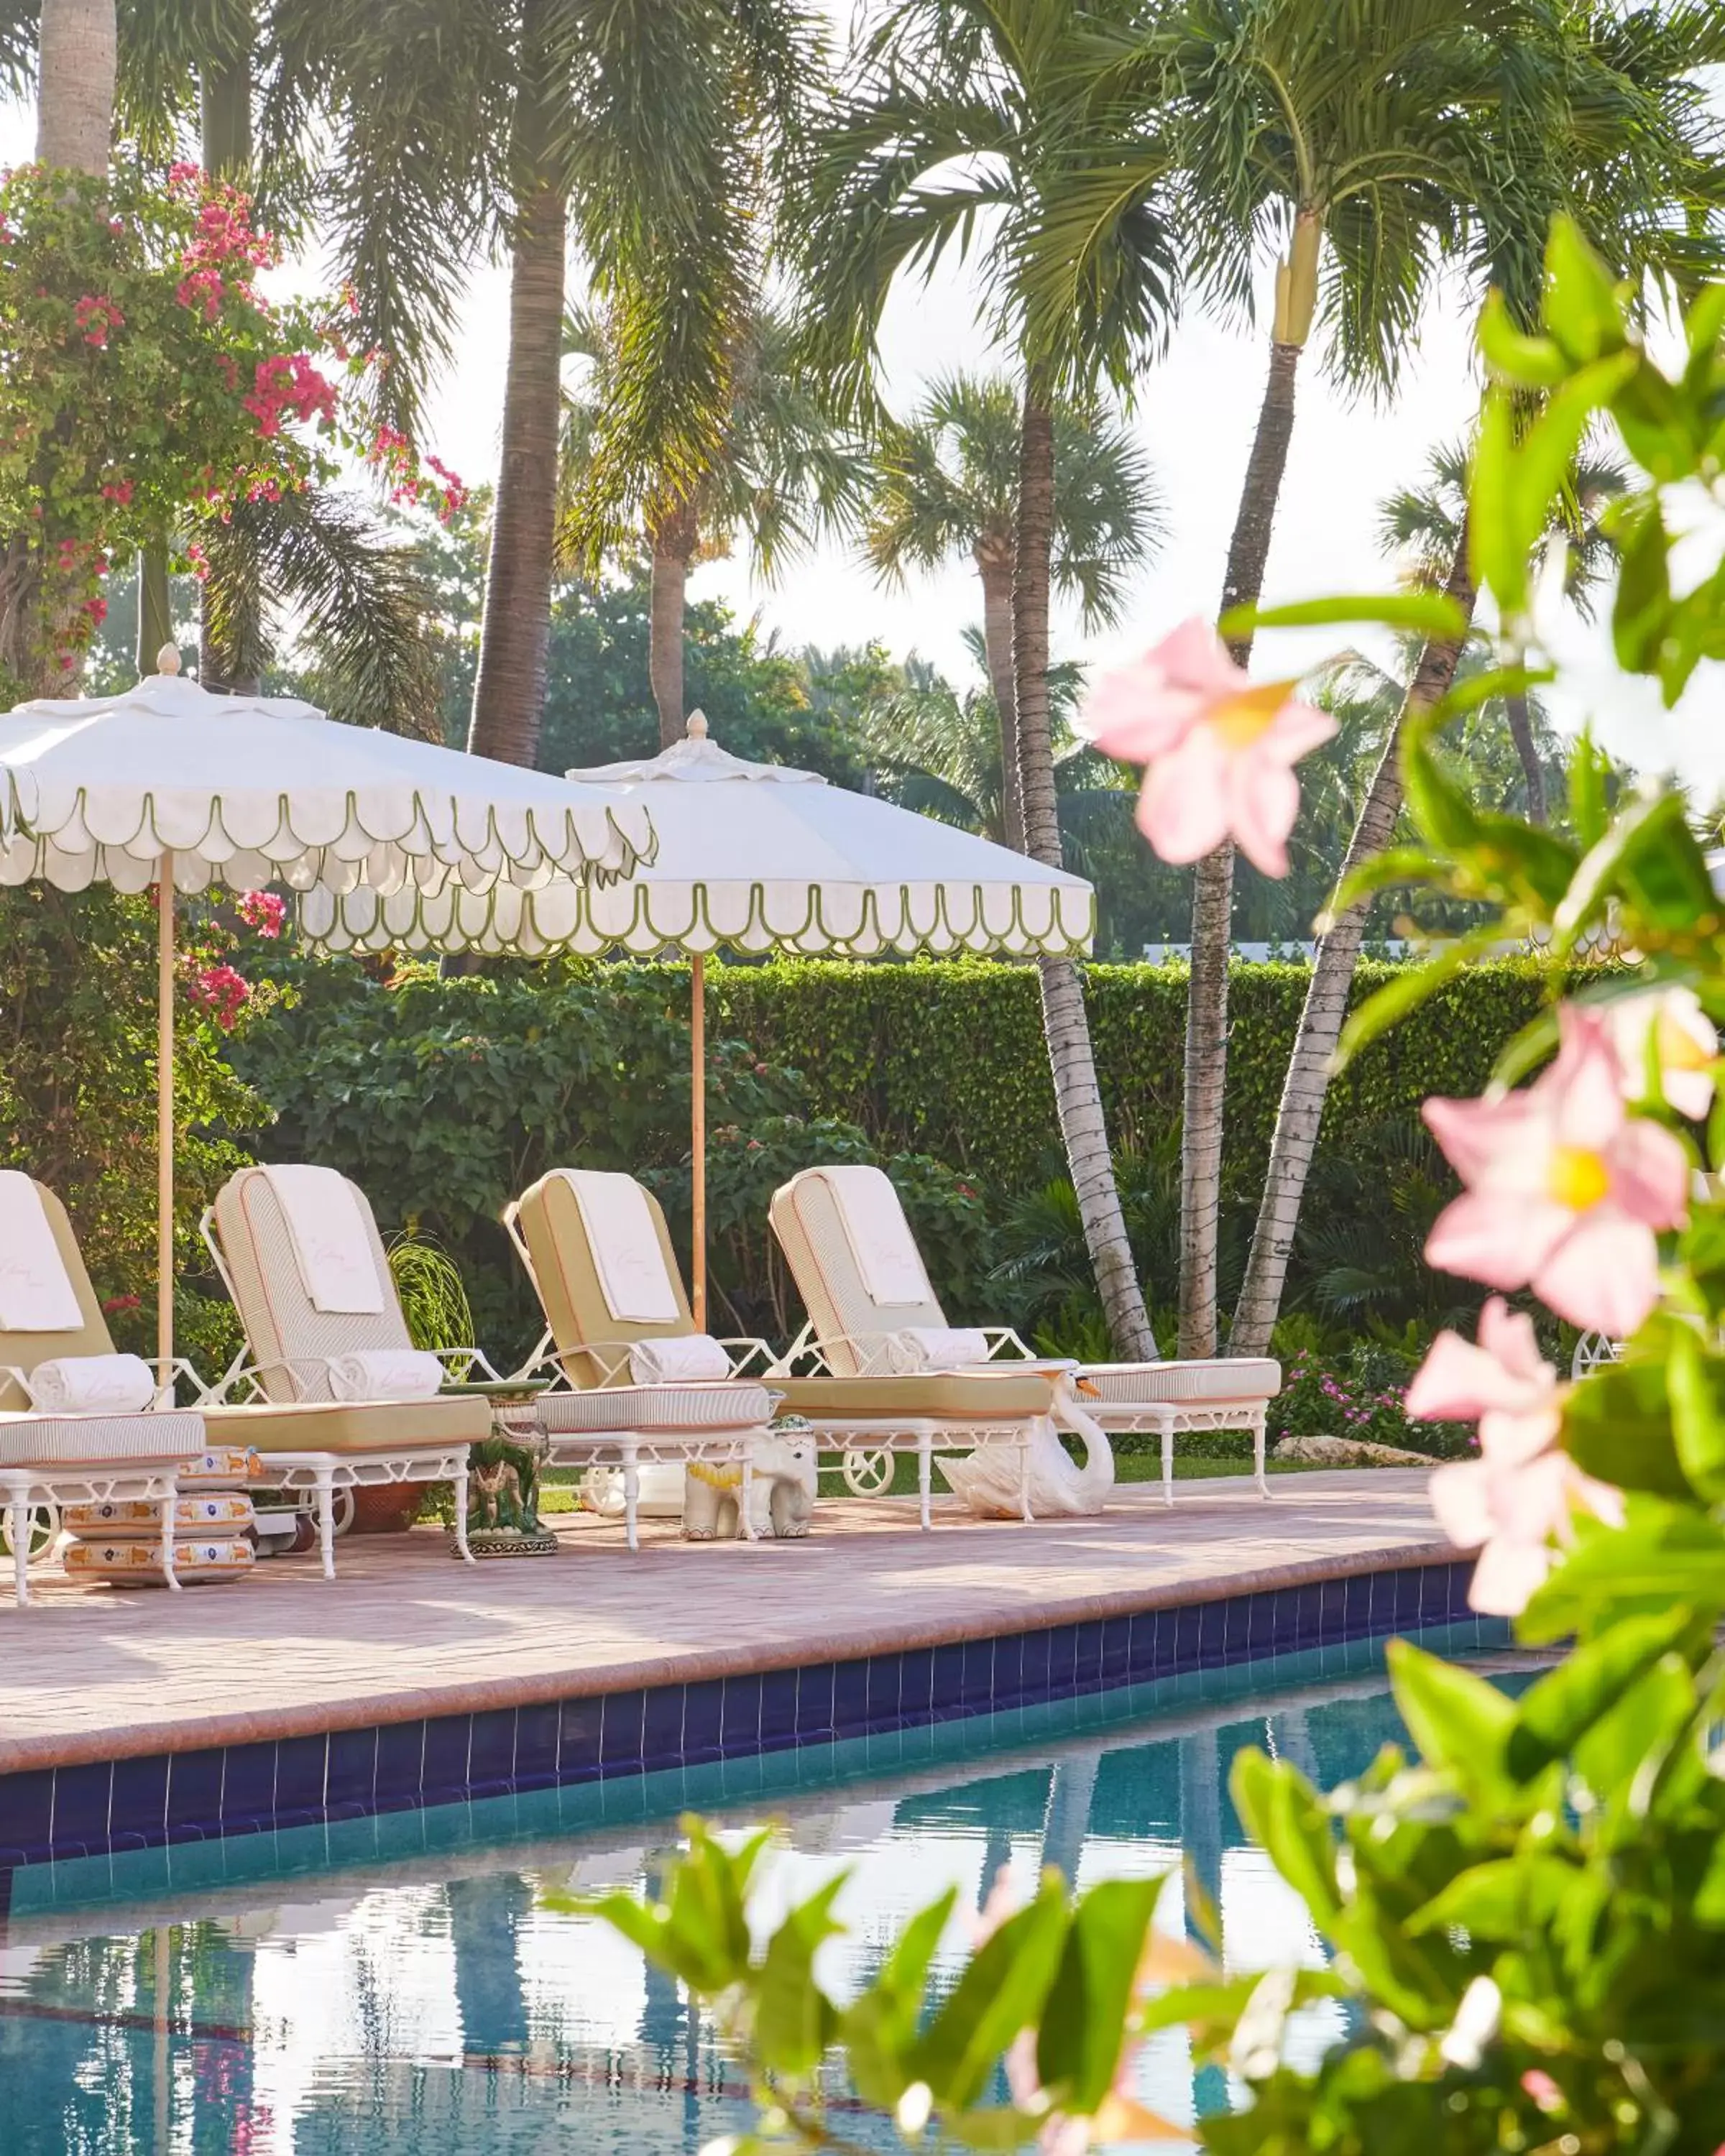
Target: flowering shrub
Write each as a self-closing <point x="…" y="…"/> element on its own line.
<point x="1526" y="1925"/>
<point x="1346" y="1397"/>
<point x="144" y="379"/>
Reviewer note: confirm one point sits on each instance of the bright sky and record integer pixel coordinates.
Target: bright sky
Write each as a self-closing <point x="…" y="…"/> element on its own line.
<point x="1195" y="413"/>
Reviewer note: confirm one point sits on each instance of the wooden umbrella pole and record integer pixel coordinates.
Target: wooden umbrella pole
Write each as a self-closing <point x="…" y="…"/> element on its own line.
<point x="697" y="1129"/>
<point x="165" y="1120"/>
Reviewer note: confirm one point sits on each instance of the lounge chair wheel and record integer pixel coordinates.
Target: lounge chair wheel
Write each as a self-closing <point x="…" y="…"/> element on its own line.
<point x="341" y="1509"/>
<point x="44" y="1532"/>
<point x="867" y="1474"/>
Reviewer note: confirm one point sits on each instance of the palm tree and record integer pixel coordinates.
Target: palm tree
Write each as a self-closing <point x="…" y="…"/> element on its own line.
<point x="700" y="425"/>
<point x="946" y="482"/>
<point x="963" y="127"/>
<point x="938" y="750"/>
<point x="1424" y="524"/>
<point x="780" y="471"/>
<point x="1332" y="132"/>
<point x="1614" y="126"/>
<point x="75" y="109"/>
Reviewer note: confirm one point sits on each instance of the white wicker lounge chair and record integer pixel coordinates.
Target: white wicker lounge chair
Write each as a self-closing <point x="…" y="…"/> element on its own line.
<point x="853" y="1327"/>
<point x="595" y="1247"/>
<point x="52" y="1460"/>
<point x="309" y="1440"/>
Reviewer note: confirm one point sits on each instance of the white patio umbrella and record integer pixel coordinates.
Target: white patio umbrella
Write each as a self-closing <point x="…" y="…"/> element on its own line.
<point x="757" y="857"/>
<point x="170" y="785"/>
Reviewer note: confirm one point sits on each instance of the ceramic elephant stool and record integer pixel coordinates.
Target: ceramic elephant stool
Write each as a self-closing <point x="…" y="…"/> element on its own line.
<point x="780" y="1490"/>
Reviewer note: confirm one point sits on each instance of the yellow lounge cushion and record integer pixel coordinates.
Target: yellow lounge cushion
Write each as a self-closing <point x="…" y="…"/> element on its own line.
<point x="1202" y="1383"/>
<point x="733" y="1405"/>
<point x="352" y="1427"/>
<point x="941" y="1396"/>
<point x="49" y="1442"/>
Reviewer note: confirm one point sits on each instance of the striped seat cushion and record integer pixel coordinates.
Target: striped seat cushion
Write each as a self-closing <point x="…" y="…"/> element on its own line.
<point x="222" y="1513"/>
<point x="1196" y="1384"/>
<point x="73" y="1441"/>
<point x="729" y="1406"/>
<point x="197" y="1564"/>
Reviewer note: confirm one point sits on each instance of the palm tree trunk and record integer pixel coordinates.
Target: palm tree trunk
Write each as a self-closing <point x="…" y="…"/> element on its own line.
<point x="1521" y="732"/>
<point x="1298" y="1118"/>
<point x="673" y="545"/>
<point x="1206" y="1077"/>
<point x="75" y="115"/>
<point x="515" y="637"/>
<point x="155" y="620"/>
<point x="224" y="101"/>
<point x="996" y="573"/>
<point x="1078" y="1097"/>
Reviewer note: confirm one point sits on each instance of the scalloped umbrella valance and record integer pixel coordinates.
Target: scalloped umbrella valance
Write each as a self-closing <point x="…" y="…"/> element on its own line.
<point x="168" y="783"/>
<point x="754" y="857"/>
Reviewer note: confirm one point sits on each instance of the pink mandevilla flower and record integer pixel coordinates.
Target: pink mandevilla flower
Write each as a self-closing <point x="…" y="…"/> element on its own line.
<point x="1220" y="748"/>
<point x="1523" y="1491"/>
<point x="1565" y="1189"/>
<point x="1671" y="1022"/>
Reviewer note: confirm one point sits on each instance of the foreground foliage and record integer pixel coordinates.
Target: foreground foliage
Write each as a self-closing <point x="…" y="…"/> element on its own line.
<point x="1527" y="1927"/>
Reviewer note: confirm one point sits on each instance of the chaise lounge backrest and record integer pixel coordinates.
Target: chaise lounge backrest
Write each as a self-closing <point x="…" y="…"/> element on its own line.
<point x="24" y="1351"/>
<point x="836" y="1226"/>
<point x="551" y="1232"/>
<point x="292" y="1341"/>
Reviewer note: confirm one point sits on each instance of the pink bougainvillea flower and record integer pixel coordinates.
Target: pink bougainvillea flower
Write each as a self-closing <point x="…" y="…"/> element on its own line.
<point x="1682" y="1036"/>
<point x="1220" y="748"/>
<point x="1565" y="1189"/>
<point x="1521" y="1492"/>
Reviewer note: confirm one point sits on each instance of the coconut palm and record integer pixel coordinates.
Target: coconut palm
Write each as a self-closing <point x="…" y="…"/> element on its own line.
<point x="1424" y="524"/>
<point x="1611" y="123"/>
<point x="946" y="483"/>
<point x="938" y="750"/>
<point x="1331" y="133"/>
<point x="780" y="472"/>
<point x="961" y="127"/>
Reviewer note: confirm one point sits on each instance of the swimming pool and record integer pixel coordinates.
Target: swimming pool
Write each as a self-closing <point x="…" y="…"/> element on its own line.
<point x="398" y="1986"/>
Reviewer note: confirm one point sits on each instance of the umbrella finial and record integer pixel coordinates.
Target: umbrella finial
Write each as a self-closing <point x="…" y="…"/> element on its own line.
<point x="696" y="728"/>
<point x="167" y="660"/>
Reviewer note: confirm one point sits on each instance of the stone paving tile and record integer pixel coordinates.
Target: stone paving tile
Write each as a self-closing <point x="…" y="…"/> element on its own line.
<point x="402" y="1623"/>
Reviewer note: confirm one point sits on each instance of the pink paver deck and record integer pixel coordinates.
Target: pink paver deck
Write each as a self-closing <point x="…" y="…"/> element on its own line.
<point x="404" y="1631"/>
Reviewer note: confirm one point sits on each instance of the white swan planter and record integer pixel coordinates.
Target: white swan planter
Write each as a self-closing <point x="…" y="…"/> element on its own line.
<point x="990" y="1482"/>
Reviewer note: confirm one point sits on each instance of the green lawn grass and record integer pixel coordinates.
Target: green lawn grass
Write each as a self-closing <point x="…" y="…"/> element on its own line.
<point x="557" y="1492"/>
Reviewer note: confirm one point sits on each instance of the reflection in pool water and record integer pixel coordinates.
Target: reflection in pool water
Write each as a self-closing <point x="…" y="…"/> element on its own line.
<point x="398" y="1987"/>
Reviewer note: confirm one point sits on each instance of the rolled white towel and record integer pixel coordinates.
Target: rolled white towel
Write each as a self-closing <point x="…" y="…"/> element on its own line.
<point x="936" y="1347"/>
<point x="683" y="1359"/>
<point x="385" y="1374"/>
<point x="92" y="1384"/>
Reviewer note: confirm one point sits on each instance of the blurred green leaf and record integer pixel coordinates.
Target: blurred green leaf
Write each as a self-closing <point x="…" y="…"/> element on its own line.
<point x="1617" y="1427"/>
<point x="1582" y="307"/>
<point x="1457" y="1721"/>
<point x="880" y="2025"/>
<point x="794" y="2020"/>
<point x="1078" y="2045"/>
<point x="1664" y="1554"/>
<point x="1418" y="613"/>
<point x="1530" y="362"/>
<point x="1283" y="1813"/>
<point x="1586" y="1685"/>
<point x="1001" y="1992"/>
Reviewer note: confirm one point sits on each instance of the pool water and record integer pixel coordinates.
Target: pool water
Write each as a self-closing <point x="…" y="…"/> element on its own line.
<point x="400" y="1986"/>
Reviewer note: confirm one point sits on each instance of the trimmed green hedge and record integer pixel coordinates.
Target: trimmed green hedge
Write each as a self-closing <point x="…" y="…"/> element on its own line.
<point x="947" y="1058"/>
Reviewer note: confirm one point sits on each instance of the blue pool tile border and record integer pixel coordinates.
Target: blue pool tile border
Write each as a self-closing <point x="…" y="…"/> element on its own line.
<point x="718" y="1727"/>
